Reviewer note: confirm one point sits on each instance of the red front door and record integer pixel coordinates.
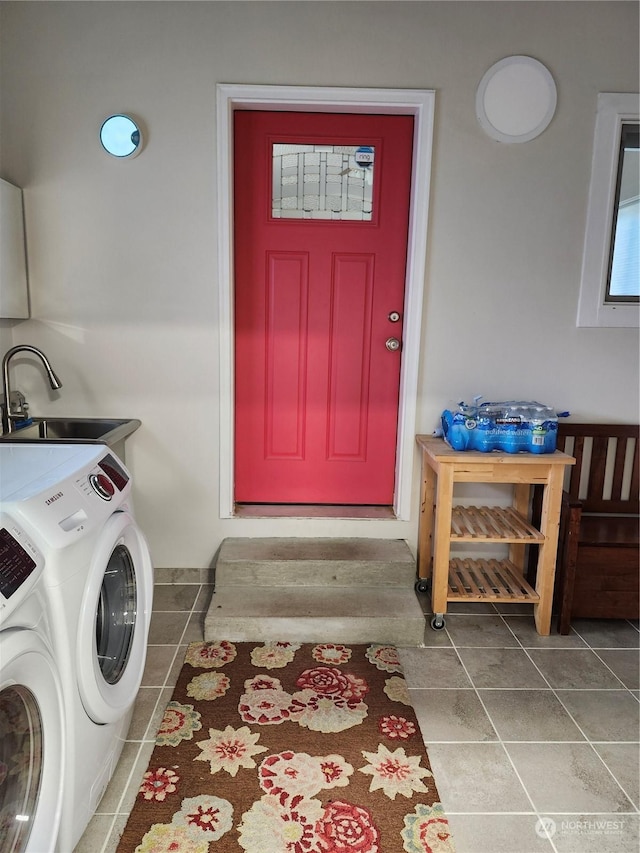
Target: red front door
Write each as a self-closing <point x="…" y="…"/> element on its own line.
<point x="321" y="214"/>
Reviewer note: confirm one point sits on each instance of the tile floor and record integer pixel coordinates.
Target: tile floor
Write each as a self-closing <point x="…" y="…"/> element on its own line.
<point x="534" y="741"/>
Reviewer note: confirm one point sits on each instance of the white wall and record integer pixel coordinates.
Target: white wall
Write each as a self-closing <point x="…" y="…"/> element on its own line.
<point x="122" y="256"/>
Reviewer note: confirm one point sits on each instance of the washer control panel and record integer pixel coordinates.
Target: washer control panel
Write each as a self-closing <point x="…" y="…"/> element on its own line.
<point x="58" y="511"/>
<point x="115" y="471"/>
<point x="109" y="477"/>
<point x="21" y="564"/>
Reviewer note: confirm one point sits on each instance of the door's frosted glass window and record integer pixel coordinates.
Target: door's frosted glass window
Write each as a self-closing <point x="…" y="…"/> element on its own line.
<point x="322" y="181"/>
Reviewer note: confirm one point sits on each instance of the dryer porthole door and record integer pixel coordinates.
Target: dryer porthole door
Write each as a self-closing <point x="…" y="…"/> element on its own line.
<point x="114" y="620"/>
<point x="116" y="614"/>
<point x="31" y="743"/>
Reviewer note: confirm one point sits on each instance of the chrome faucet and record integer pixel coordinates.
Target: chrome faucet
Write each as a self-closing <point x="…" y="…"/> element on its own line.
<point x="8" y="415"/>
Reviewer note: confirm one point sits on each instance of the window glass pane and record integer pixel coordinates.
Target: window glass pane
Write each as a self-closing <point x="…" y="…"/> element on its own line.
<point x="624" y="275"/>
<point x="322" y="182"/>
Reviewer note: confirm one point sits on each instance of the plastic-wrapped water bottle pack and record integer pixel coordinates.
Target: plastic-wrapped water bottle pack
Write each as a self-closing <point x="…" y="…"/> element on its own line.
<point x="513" y="427"/>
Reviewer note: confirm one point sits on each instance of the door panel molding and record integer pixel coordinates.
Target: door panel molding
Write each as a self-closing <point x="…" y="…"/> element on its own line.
<point x="419" y="103"/>
<point x="286" y="355"/>
<point x="351" y="315"/>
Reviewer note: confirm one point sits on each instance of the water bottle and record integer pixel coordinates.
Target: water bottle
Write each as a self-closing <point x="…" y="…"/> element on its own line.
<point x="537" y="429"/>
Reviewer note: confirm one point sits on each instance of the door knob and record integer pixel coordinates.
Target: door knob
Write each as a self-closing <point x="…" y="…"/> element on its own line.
<point x="392" y="344"/>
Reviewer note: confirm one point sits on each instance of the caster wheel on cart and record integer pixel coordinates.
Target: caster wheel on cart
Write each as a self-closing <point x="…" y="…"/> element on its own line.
<point x="423" y="585"/>
<point x="437" y="623"/>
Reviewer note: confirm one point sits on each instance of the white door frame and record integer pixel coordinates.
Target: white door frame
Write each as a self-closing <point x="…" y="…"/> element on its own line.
<point x="416" y="102"/>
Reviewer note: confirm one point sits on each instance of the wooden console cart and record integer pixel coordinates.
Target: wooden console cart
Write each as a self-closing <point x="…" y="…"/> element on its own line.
<point x="443" y="524"/>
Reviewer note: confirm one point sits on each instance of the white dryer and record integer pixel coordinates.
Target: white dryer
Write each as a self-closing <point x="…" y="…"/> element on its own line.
<point x="32" y="733"/>
<point x="98" y="584"/>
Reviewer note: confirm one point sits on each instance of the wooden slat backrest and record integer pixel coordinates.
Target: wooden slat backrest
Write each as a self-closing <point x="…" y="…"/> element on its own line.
<point x="613" y="448"/>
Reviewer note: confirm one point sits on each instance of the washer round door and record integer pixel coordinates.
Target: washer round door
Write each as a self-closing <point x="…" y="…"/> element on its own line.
<point x="31" y="744"/>
<point x="114" y="620"/>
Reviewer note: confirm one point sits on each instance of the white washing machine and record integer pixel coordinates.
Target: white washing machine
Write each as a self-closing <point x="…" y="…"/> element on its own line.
<point x="32" y="732"/>
<point x="98" y="584"/>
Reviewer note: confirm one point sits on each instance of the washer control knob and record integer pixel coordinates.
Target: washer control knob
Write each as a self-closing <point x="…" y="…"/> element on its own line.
<point x="102" y="486"/>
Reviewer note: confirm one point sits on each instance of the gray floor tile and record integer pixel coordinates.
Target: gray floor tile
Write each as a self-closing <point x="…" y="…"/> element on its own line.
<point x="437" y="667"/>
<point x="451" y="715"/>
<point x="167" y="628"/>
<point x="131" y="786"/>
<point x="604" y="715"/>
<point x="477" y="777"/>
<point x="501" y="668"/>
<point x="174" y="672"/>
<point x="94" y="835"/>
<point x="142" y="711"/>
<point x="158" y="713"/>
<point x="174" y="596"/>
<point x="573" y="668"/>
<point x="204" y="598"/>
<point x="529" y="715"/>
<point x="525" y="631"/>
<point x="566" y="777"/>
<point x="158" y="664"/>
<point x="623" y="760"/>
<point x="484" y="631"/>
<point x="502" y="833"/>
<point x="179" y="577"/>
<point x="596" y="833"/>
<point x="111" y="845"/>
<point x="194" y="632"/>
<point x="607" y="633"/>
<point x="110" y="802"/>
<point x="625" y="663"/>
<point x="436" y="639"/>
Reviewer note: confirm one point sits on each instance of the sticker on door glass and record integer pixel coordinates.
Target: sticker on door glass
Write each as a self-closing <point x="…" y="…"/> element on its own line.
<point x="322" y="182"/>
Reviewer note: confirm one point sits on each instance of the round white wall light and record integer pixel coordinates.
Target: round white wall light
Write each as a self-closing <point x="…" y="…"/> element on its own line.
<point x="121" y="137"/>
<point x="516" y="99"/>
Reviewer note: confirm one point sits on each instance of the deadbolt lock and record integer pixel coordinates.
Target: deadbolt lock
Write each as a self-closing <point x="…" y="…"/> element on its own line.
<point x="394" y="316"/>
<point x="392" y="344"/>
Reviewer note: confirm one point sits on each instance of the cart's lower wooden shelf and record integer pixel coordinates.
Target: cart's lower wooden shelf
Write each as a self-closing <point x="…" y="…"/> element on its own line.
<point x="491" y="524"/>
<point x="488" y="580"/>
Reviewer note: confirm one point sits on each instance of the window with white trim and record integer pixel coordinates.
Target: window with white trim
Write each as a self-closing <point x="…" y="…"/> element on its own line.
<point x="610" y="284"/>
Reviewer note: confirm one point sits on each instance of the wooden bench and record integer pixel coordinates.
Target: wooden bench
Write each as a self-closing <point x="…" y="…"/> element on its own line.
<point x="598" y="564"/>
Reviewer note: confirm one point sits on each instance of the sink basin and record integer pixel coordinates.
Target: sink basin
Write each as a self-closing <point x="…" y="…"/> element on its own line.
<point x="108" y="431"/>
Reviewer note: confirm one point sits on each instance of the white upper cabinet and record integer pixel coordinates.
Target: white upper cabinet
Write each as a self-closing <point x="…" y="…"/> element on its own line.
<point x="14" y="296"/>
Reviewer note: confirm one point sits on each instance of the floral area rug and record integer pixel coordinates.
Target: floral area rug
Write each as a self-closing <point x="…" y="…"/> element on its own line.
<point x="288" y="748"/>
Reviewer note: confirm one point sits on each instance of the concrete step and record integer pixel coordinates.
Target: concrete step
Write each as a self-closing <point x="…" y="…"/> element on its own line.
<point x="315" y="563"/>
<point x="356" y="614"/>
